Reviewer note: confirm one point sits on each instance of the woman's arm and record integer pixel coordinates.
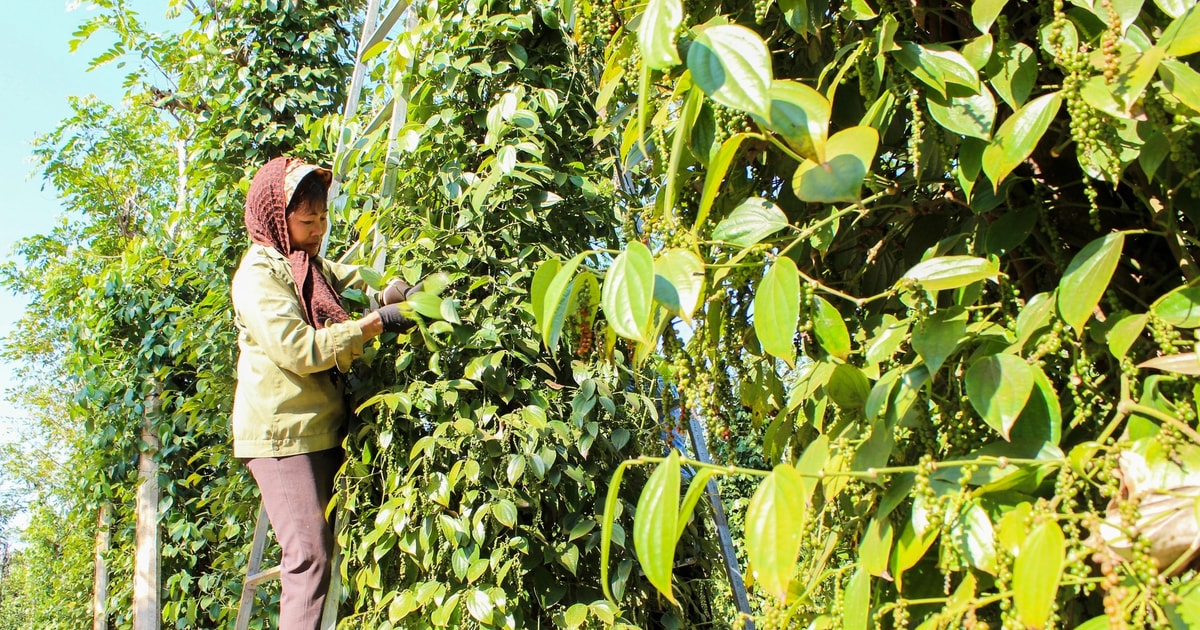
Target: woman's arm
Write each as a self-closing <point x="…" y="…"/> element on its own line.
<point x="270" y="313"/>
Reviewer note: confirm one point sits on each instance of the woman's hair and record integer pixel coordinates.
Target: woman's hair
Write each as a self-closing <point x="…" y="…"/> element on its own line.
<point x="311" y="188"/>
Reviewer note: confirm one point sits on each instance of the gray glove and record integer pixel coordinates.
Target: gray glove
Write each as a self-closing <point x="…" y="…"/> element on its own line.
<point x="393" y="320"/>
<point x="398" y="291"/>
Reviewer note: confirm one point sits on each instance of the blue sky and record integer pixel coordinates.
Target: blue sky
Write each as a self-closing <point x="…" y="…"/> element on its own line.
<point x="39" y="73"/>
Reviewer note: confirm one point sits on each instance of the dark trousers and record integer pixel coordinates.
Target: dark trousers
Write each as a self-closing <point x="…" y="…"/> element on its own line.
<point x="296" y="490"/>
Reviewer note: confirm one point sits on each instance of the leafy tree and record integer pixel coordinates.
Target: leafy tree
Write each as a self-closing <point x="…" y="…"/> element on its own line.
<point x="131" y="294"/>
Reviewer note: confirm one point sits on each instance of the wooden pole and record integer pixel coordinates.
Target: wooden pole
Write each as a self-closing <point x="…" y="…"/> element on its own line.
<point x="147" y="605"/>
<point x="100" y="594"/>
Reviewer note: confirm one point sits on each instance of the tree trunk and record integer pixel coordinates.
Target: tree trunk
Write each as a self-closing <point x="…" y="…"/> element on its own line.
<point x="147" y="607"/>
<point x="100" y="595"/>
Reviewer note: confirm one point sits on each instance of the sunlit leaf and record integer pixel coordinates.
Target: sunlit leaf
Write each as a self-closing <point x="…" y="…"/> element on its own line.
<point x="936" y="337"/>
<point x="656" y="33"/>
<point x="717" y="169"/>
<point x="801" y="115"/>
<point x="856" y="601"/>
<point x="683" y="273"/>
<point x="985" y="12"/>
<point x="777" y="309"/>
<point x="750" y="222"/>
<point x="1182" y="82"/>
<point x="655" y="524"/>
<point x="1013" y="71"/>
<point x="1086" y="279"/>
<point x="875" y="547"/>
<point x="1037" y="572"/>
<point x="967" y="114"/>
<point x="554" y="304"/>
<point x="848" y="387"/>
<point x="774" y="529"/>
<point x="830" y="328"/>
<point x="627" y="296"/>
<point x="998" y="387"/>
<point x="1124" y="332"/>
<point x="849" y="155"/>
<point x="1183" y="363"/>
<point x="1018" y="136"/>
<point x="732" y="65"/>
<point x="1182" y="36"/>
<point x="1179" y="308"/>
<point x="937" y="65"/>
<point x="952" y="272"/>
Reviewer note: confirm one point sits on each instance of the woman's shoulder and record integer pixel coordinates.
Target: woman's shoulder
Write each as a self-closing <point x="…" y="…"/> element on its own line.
<point x="260" y="262"/>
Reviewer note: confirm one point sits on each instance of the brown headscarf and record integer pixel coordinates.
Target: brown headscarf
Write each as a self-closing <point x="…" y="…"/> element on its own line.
<point x="266" y="221"/>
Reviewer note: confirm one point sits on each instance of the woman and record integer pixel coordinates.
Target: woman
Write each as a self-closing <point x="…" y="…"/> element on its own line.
<point x="295" y="338"/>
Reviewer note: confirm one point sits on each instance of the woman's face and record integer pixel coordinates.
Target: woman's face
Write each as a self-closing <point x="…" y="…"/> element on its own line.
<point x="306" y="225"/>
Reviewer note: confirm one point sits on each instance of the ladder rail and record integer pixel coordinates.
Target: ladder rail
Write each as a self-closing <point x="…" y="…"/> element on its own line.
<point x="253" y="572"/>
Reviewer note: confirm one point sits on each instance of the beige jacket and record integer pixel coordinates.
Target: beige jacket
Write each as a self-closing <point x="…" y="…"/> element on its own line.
<point x="287" y="402"/>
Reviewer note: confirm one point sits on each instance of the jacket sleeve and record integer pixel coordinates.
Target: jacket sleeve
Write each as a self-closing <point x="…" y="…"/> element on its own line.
<point x="346" y="277"/>
<point x="269" y="310"/>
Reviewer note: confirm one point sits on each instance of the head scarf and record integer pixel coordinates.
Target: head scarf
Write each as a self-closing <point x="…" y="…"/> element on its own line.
<point x="266" y="221"/>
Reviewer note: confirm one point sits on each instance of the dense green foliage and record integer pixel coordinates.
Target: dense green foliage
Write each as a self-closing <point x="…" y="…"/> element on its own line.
<point x="942" y="255"/>
<point x="925" y="273"/>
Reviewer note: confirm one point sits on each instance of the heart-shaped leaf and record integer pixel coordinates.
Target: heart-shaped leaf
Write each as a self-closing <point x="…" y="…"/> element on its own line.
<point x="963" y="112"/>
<point x="753" y="220"/>
<point x="830" y="328"/>
<point x="732" y="65"/>
<point x="1013" y="72"/>
<point x="998" y="387"/>
<point x="682" y="281"/>
<point x="801" y="115"/>
<point x="937" y="65"/>
<point x="849" y="155"/>
<point x="936" y="337"/>
<point x="951" y="272"/>
<point x="985" y="12"/>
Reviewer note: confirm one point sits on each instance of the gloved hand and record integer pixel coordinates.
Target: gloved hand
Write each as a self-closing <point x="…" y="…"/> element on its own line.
<point x="398" y="291"/>
<point x="393" y="320"/>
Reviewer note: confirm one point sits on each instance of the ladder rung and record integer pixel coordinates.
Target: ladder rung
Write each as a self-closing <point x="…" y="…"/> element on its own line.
<point x="263" y="576"/>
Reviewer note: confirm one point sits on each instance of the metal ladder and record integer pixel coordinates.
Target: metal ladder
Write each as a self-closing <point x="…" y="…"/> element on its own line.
<point x="373" y="33"/>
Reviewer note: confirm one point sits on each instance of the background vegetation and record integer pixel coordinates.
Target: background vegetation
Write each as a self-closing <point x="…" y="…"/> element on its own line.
<point x="925" y="272"/>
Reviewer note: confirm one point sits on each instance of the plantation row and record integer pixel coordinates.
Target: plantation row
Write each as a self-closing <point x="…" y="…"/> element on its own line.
<point x="925" y="275"/>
